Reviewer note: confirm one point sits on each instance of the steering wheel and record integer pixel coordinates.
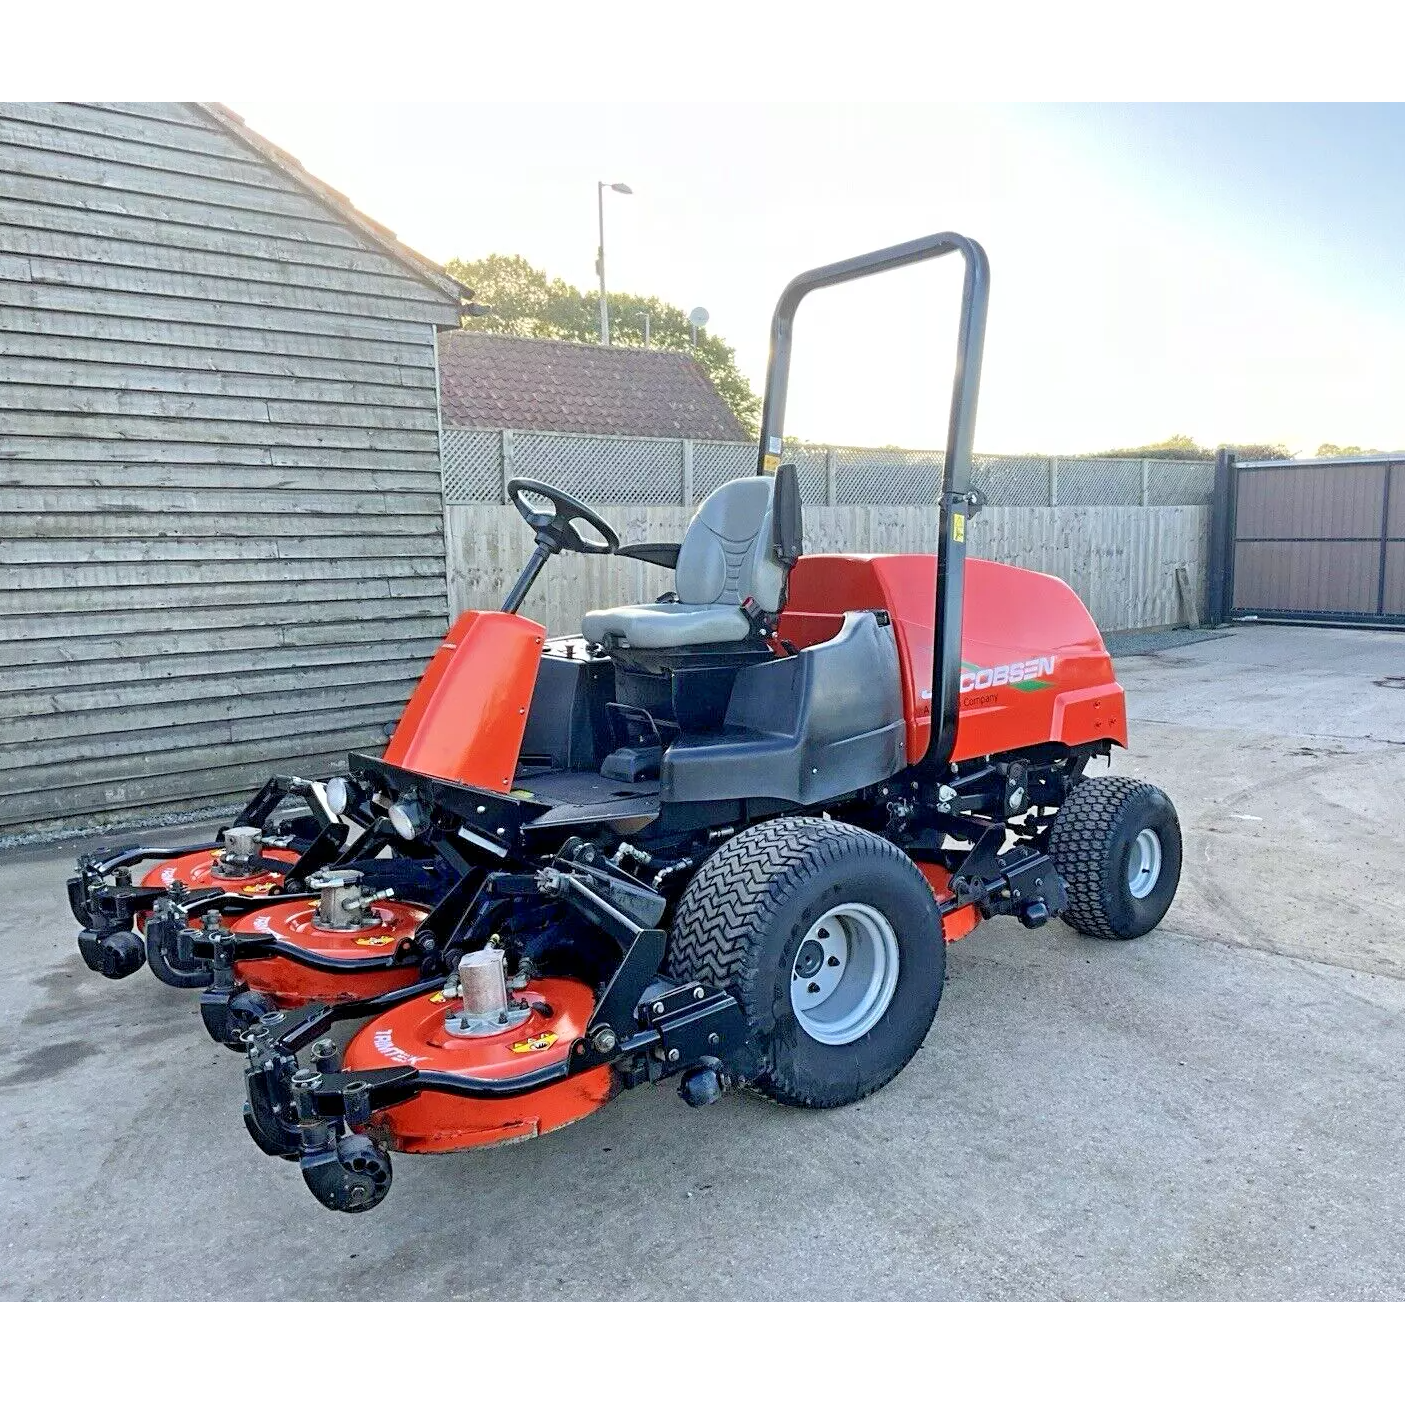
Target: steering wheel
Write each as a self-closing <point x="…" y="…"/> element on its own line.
<point x="556" y="530"/>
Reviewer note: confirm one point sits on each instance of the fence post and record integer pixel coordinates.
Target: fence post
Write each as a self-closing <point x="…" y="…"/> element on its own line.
<point x="1219" y="569"/>
<point x="1146" y="482"/>
<point x="831" y="476"/>
<point x="506" y="468"/>
<point x="686" y="473"/>
<point x="1053" y="482"/>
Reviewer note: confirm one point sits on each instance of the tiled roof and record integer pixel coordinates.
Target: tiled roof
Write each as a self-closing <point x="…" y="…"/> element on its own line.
<point x="497" y="382"/>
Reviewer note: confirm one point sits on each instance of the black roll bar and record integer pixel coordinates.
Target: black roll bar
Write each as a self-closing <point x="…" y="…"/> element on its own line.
<point x="955" y="498"/>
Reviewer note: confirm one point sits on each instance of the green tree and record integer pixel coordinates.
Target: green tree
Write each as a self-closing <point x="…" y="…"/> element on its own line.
<point x="1182" y="446"/>
<point x="526" y="302"/>
<point x="1347" y="451"/>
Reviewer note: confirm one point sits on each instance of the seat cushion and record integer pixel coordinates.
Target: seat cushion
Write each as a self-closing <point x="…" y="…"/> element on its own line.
<point x="667" y="626"/>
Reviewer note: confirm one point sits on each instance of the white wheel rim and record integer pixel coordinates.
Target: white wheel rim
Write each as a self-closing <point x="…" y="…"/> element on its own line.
<point x="1144" y="863"/>
<point x="844" y="974"/>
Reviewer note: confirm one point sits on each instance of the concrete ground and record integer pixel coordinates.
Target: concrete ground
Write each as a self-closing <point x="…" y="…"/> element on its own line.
<point x="1214" y="1111"/>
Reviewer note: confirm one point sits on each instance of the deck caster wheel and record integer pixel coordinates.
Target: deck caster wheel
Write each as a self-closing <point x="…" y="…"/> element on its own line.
<point x="352" y="1175"/>
<point x="229" y="1014"/>
<point x="112" y="954"/>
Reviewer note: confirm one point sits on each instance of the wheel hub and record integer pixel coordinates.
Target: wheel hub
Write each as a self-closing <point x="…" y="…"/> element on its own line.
<point x="844" y="974"/>
<point x="1144" y="863"/>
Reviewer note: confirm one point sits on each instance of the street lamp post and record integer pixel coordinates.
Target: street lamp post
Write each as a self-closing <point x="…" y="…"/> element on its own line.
<point x="619" y="188"/>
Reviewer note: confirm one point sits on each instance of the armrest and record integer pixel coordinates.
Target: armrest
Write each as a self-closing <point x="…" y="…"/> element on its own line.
<point x="663" y="554"/>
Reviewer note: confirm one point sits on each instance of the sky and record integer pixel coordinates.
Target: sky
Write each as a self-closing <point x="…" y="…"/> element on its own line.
<point x="1228" y="271"/>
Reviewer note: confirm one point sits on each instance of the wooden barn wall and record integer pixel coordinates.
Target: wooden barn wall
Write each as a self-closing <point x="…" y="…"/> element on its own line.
<point x="221" y="529"/>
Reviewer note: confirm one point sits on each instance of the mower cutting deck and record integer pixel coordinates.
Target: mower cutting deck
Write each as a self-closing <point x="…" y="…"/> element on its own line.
<point x="723" y="837"/>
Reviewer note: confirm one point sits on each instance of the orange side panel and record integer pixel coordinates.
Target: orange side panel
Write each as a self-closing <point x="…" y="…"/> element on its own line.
<point x="964" y="920"/>
<point x="414" y="1035"/>
<point x="1033" y="665"/>
<point x="464" y="722"/>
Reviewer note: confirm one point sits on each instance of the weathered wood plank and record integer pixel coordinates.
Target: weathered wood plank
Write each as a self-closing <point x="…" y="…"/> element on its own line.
<point x="357" y="379"/>
<point x="39" y="449"/>
<point x="266" y="269"/>
<point x="81" y="549"/>
<point x="46" y="609"/>
<point x="217" y="477"/>
<point x="177" y="669"/>
<point x="68" y="372"/>
<point x="411" y="363"/>
<point x="353" y="607"/>
<point x="185" y="155"/>
<point x="144" y="752"/>
<point x="227" y="526"/>
<point x="49" y="297"/>
<point x="109" y="423"/>
<point x="225" y="289"/>
<point x="117" y="502"/>
<point x="179" y="214"/>
<point x="78" y="716"/>
<point x="177" y="114"/>
<point x="198" y="780"/>
<point x="119" y="124"/>
<point x="78" y="169"/>
<point x="236" y="636"/>
<point x="78" y="397"/>
<point x="97" y="227"/>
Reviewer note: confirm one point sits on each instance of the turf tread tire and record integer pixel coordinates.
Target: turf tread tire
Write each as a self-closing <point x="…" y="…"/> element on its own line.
<point x="1081" y="843"/>
<point x="726" y="915"/>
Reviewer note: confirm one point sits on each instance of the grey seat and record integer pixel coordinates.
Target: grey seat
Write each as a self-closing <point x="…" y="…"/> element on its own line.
<point x="730" y="553"/>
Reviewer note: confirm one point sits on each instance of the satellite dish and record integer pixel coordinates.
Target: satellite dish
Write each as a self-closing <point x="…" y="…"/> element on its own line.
<point x="698" y="317"/>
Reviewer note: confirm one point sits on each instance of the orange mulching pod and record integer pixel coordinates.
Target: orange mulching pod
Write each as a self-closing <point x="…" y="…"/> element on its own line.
<point x="290" y="983"/>
<point x="415" y="1035"/>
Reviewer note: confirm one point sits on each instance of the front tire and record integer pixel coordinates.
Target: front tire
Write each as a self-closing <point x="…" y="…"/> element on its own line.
<point x="830" y="940"/>
<point x="1116" y="843"/>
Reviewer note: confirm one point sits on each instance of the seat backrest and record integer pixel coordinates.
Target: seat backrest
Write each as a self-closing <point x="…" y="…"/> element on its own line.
<point x="730" y="549"/>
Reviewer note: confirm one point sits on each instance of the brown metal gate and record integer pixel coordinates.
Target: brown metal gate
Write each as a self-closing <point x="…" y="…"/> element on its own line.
<point x="1317" y="540"/>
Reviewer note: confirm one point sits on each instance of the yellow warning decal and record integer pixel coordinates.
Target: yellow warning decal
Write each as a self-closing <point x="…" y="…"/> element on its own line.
<point x="958" y="526"/>
<point x="375" y="941"/>
<point x="254" y="889"/>
<point x="771" y="462"/>
<point x="535" y="1044"/>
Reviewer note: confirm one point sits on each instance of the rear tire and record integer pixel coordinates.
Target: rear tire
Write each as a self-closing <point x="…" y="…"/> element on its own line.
<point x="873" y="958"/>
<point x="1116" y="843"/>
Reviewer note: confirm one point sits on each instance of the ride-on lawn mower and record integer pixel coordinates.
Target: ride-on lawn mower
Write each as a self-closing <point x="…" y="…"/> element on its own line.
<point x="723" y="836"/>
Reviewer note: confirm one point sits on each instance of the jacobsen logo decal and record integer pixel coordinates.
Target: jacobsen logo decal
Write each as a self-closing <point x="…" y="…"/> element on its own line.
<point x="1025" y="674"/>
<point x="385" y="1044"/>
